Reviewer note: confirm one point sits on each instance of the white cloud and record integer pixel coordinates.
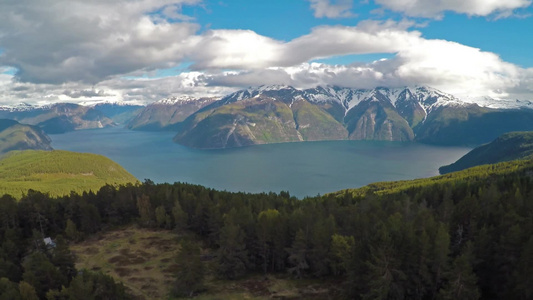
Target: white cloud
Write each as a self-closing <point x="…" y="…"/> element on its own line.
<point x="327" y="9"/>
<point x="55" y="41"/>
<point x="436" y="8"/>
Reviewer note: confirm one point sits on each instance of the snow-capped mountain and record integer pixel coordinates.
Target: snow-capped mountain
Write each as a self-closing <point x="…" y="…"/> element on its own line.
<point x="279" y="113"/>
<point x="18" y="107"/>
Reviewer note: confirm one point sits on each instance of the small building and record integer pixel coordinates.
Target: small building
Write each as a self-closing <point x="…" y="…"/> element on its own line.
<point x="49" y="243"/>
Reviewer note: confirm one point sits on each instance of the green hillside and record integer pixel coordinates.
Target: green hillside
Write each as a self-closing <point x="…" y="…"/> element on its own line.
<point x="510" y="146"/>
<point x="58" y="172"/>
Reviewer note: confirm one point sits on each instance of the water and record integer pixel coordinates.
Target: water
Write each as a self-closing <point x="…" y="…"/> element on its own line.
<point x="303" y="169"/>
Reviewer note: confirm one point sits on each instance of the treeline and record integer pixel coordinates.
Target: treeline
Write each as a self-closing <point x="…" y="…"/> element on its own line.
<point x="463" y="238"/>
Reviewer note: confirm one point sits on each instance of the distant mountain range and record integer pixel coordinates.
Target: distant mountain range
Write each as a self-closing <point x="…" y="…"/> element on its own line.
<point x="58" y="118"/>
<point x="274" y="114"/>
<point x="16" y="136"/>
<point x="168" y="113"/>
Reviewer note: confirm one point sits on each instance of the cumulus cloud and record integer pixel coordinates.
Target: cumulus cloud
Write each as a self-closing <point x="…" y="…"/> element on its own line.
<point x="450" y="66"/>
<point x="54" y="41"/>
<point x="436" y="8"/>
<point x="332" y="9"/>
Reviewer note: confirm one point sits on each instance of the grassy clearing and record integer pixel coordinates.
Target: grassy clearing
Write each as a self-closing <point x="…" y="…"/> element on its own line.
<point x="58" y="172"/>
<point x="143" y="260"/>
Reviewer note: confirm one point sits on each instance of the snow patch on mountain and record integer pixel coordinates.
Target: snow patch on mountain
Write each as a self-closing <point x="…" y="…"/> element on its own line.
<point x="499" y="103"/>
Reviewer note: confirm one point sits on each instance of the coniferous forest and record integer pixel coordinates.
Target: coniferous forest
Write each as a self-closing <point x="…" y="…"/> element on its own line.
<point x="466" y="235"/>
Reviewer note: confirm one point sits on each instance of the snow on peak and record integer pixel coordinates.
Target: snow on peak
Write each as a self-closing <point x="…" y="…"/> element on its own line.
<point x="18" y="107"/>
<point x="175" y="100"/>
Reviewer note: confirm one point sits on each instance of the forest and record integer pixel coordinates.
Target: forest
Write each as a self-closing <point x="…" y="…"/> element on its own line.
<point x="465" y="235"/>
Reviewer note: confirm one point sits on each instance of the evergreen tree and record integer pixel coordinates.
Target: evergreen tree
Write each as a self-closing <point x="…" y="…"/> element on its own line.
<point x="298" y="255"/>
<point x="8" y="290"/>
<point x="180" y="217"/>
<point x="146" y="211"/>
<point x="71" y="231"/>
<point x="63" y="258"/>
<point x="190" y="273"/>
<point x="161" y="217"/>
<point x="341" y="253"/>
<point x="231" y="256"/>
<point x="461" y="280"/>
<point x="42" y="274"/>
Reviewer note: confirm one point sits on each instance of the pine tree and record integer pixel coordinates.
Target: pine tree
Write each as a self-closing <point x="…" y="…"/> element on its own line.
<point x="461" y="280"/>
<point x="231" y="256"/>
<point x="146" y="211"/>
<point x="71" y="231"/>
<point x="180" y="217"/>
<point x="298" y="255"/>
<point x="341" y="252"/>
<point x="190" y="273"/>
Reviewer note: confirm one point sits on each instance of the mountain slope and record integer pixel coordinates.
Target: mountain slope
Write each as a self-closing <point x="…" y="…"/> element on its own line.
<point x="273" y="114"/>
<point x="16" y="136"/>
<point x="166" y="114"/>
<point x="58" y="172"/>
<point x="249" y="117"/>
<point x="119" y="113"/>
<point x="58" y="118"/>
<point x="510" y="146"/>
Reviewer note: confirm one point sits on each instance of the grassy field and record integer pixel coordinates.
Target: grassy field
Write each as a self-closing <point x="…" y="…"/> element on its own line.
<point x="58" y="172"/>
<point x="143" y="260"/>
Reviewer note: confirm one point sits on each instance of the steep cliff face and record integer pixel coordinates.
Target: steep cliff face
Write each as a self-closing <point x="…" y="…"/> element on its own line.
<point x="376" y="119"/>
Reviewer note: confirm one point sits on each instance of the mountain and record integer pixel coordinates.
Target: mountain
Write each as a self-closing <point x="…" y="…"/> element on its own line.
<point x="259" y="116"/>
<point x="273" y="114"/>
<point x="510" y="146"/>
<point x="58" y="172"/>
<point x="58" y="118"/>
<point x="119" y="113"/>
<point x="166" y="114"/>
<point x="16" y="136"/>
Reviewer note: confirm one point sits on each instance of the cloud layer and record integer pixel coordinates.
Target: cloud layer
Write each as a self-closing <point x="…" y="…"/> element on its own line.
<point x="73" y="50"/>
<point x="436" y="8"/>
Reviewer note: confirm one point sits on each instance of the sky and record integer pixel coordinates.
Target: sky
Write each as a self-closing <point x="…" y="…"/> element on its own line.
<point x="140" y="51"/>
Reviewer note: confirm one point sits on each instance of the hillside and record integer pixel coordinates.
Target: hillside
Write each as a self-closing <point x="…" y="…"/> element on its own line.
<point x="274" y="114"/>
<point x="16" y="136"/>
<point x="510" y="146"/>
<point x="58" y="172"/>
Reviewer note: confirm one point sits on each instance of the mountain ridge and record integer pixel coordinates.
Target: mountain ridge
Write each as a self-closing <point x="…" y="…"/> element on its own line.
<point x="402" y="114"/>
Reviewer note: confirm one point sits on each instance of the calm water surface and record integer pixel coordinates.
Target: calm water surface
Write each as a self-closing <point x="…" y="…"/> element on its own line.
<point x="303" y="169"/>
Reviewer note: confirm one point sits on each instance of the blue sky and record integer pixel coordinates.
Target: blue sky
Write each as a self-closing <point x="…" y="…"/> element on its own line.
<point x="145" y="50"/>
<point x="289" y="19"/>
